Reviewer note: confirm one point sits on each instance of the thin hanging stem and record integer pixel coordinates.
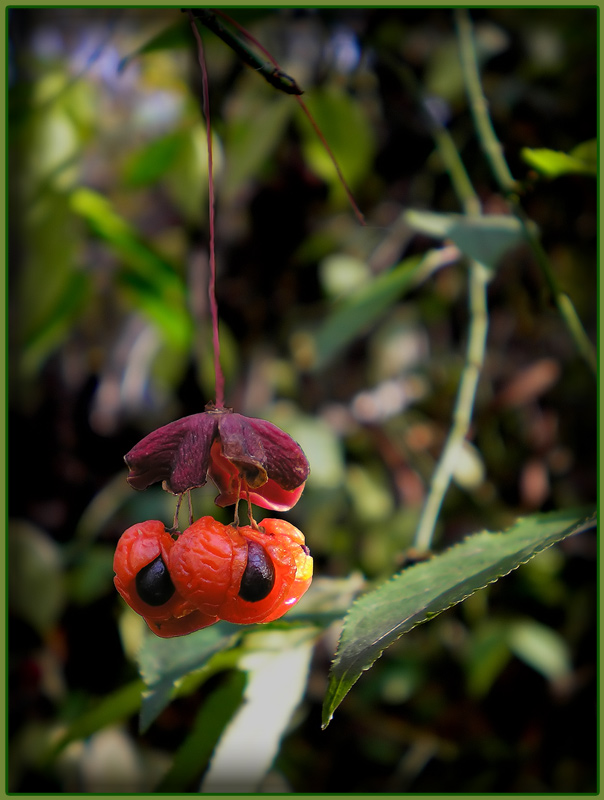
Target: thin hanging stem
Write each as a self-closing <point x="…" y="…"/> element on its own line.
<point x="301" y="103"/>
<point x="479" y="277"/>
<point x="462" y="415"/>
<point x="494" y="153"/>
<point x="219" y="377"/>
<point x="176" y="512"/>
<point x="190" y="503"/>
<point x="328" y="150"/>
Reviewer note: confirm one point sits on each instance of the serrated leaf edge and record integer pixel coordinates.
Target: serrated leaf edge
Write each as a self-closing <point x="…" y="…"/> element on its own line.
<point x="576" y="528"/>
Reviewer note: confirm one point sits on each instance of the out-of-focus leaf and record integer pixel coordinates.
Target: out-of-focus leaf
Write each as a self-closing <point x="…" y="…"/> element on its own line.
<point x="151" y="283"/>
<point x="52" y="330"/>
<point x="484" y="239"/>
<point x="92" y="576"/>
<point x="46" y="316"/>
<point x="114" y="494"/>
<point x="420" y="592"/>
<point x="541" y="648"/>
<point x="149" y="163"/>
<point x="36" y="587"/>
<point x="494" y="643"/>
<point x="582" y="160"/>
<point x="112" y="708"/>
<point x="489" y="653"/>
<point x="362" y="308"/>
<point x="187" y="179"/>
<point x="193" y="755"/>
<point x="369" y="494"/>
<point x="178" y="35"/>
<point x="51" y="146"/>
<point x="252" y="137"/>
<point x="348" y="133"/>
<point x="587" y="152"/>
<point x="162" y="662"/>
<point x="469" y="471"/>
<point x="322" y="447"/>
<point x="276" y="663"/>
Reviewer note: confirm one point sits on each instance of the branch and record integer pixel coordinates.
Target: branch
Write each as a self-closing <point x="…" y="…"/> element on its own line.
<point x="507" y="184"/>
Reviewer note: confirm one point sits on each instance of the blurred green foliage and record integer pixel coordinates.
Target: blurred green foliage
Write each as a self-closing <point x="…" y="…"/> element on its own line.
<point x="350" y="338"/>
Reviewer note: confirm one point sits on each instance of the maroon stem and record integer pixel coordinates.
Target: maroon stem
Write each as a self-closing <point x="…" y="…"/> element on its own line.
<point x="212" y="282"/>
<point x="304" y="108"/>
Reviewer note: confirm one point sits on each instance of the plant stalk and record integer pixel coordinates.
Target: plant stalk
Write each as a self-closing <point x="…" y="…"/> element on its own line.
<point x="494" y="154"/>
<point x="219" y="377"/>
<point x="478" y="276"/>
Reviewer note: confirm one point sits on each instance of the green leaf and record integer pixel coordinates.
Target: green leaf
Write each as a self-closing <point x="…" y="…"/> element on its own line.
<point x="362" y="308"/>
<point x="251" y="137"/>
<point x="114" y="707"/>
<point x="488" y="655"/>
<point x="45" y="319"/>
<point x="541" y="648"/>
<point x="36" y="585"/>
<point x="187" y="179"/>
<point x="193" y="755"/>
<point x="59" y="321"/>
<point x="420" y="592"/>
<point x="149" y="163"/>
<point x="277" y="664"/>
<point x="90" y="578"/>
<point x="151" y="282"/>
<point x="162" y="662"/>
<point x="484" y="239"/>
<point x="582" y="160"/>
<point x="348" y="133"/>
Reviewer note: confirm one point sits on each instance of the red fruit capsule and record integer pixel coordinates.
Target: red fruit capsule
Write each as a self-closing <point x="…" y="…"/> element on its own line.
<point x="241" y="575"/>
<point x="180" y="626"/>
<point x="142" y="577"/>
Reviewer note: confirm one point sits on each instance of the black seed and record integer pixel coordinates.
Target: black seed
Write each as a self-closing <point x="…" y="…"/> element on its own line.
<point x="259" y="576"/>
<point x="153" y="583"/>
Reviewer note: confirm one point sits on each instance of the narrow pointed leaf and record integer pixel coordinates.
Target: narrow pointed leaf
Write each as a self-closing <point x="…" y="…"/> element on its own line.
<point x="484" y="239"/>
<point x="361" y="309"/>
<point x="193" y="755"/>
<point x="582" y="160"/>
<point x="148" y="279"/>
<point x="421" y="592"/>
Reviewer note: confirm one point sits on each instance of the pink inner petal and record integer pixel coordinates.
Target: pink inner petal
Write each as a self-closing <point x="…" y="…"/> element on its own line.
<point x="225" y="475"/>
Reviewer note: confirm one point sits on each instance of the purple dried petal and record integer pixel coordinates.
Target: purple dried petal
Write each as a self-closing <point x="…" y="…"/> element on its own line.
<point x="177" y="453"/>
<point x="261" y="451"/>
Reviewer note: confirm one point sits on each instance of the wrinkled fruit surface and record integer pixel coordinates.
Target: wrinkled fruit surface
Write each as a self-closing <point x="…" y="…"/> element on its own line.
<point x="211" y="572"/>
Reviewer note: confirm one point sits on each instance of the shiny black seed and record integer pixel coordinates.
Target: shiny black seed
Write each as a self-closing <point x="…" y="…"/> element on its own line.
<point x="259" y="576"/>
<point x="153" y="583"/>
